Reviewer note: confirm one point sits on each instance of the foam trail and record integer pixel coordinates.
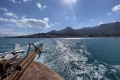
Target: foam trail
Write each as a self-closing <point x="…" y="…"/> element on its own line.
<point x="72" y="60"/>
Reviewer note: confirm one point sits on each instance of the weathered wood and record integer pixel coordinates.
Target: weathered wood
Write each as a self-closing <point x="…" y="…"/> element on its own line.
<point x="23" y="65"/>
<point x="31" y="70"/>
<point x="38" y="71"/>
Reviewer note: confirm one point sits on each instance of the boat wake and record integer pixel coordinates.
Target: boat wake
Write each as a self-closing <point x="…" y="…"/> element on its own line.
<point x="71" y="59"/>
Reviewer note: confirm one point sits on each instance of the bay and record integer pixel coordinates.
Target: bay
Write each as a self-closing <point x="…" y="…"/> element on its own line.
<point x="76" y="58"/>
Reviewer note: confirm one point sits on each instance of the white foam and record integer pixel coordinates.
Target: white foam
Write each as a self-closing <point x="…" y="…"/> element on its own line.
<point x="79" y="78"/>
<point x="117" y="66"/>
<point x="85" y="68"/>
<point x="65" y="54"/>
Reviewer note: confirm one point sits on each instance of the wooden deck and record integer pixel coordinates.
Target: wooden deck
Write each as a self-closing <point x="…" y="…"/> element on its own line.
<point x="38" y="71"/>
<point x="31" y="70"/>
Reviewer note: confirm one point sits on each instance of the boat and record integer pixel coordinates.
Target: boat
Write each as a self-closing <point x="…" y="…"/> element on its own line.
<point x="14" y="68"/>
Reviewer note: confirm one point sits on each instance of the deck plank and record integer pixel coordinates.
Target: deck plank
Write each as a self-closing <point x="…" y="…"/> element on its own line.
<point x="38" y="71"/>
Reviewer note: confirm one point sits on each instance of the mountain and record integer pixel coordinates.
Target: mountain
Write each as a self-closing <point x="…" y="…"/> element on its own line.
<point x="53" y="31"/>
<point x="110" y="28"/>
<point x="67" y="31"/>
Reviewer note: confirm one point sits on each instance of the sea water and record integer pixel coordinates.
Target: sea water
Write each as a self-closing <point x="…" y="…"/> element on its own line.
<point x="76" y="58"/>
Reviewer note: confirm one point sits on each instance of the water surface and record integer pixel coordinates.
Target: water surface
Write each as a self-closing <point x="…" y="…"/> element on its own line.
<point x="76" y="58"/>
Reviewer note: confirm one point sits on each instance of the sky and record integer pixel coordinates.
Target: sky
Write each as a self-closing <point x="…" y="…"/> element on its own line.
<point x="23" y="17"/>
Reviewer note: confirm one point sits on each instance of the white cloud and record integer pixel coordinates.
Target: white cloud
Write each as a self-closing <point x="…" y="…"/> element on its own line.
<point x="55" y="24"/>
<point x="39" y="5"/>
<point x="30" y="23"/>
<point x="108" y="14"/>
<point x="9" y="32"/>
<point x="46" y="19"/>
<point x="10" y="14"/>
<point x="51" y="24"/>
<point x="101" y="22"/>
<point x="44" y="6"/>
<point x="116" y="8"/>
<point x="74" y="0"/>
<point x="19" y="2"/>
<point x="13" y="1"/>
<point x="1" y="19"/>
<point x="92" y="20"/>
<point x="4" y="9"/>
<point x="26" y="22"/>
<point x="9" y="25"/>
<point x="23" y="17"/>
<point x="25" y="0"/>
<point x="114" y="21"/>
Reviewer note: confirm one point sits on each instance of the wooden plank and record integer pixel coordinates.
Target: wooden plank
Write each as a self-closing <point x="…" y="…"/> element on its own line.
<point x="38" y="71"/>
<point x="24" y="64"/>
<point x="33" y="71"/>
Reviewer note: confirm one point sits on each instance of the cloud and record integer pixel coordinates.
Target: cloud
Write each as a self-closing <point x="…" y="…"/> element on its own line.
<point x="4" y="9"/>
<point x="9" y="32"/>
<point x="51" y="24"/>
<point x="1" y="19"/>
<point x="46" y="19"/>
<point x="39" y="5"/>
<point x="116" y="8"/>
<point x="114" y="21"/>
<point x="19" y="2"/>
<point x="108" y="14"/>
<point x="74" y="0"/>
<point x="10" y="14"/>
<point x="55" y="24"/>
<point x="9" y="25"/>
<point x="13" y="1"/>
<point x="101" y="23"/>
<point x="26" y="22"/>
<point x="23" y="16"/>
<point x="44" y="6"/>
<point x="25" y="0"/>
<point x="92" y="20"/>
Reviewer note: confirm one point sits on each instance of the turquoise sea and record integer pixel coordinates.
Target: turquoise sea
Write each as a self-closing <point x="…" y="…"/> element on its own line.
<point x="76" y="58"/>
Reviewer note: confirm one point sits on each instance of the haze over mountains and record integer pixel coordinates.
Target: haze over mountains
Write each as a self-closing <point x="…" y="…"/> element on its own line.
<point x="104" y="30"/>
<point x="110" y="28"/>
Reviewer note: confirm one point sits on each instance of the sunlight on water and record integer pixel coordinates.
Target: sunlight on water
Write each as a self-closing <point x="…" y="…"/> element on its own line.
<point x="73" y="61"/>
<point x="80" y="58"/>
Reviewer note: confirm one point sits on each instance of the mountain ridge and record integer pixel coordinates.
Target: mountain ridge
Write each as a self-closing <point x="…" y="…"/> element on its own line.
<point x="103" y="30"/>
<point x="109" y="28"/>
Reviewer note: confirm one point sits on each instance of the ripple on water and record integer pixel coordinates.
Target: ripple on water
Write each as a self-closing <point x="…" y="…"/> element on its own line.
<point x="74" y="62"/>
